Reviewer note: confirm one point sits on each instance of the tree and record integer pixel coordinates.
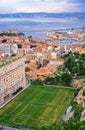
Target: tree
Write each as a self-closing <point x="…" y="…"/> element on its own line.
<point x="66" y="78"/>
<point x="37" y="82"/>
<point x="13" y="55"/>
<point x="70" y="62"/>
<point x="39" y="65"/>
<point x="82" y="127"/>
<point x="27" y="69"/>
<point x="77" y="110"/>
<point x="49" y="80"/>
<point x="76" y="64"/>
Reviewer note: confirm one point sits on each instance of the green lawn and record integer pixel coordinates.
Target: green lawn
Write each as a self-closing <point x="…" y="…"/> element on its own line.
<point x="36" y="106"/>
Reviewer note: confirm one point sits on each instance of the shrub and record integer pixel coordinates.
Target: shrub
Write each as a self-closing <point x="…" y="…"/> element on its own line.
<point x="49" y="80"/>
<point x="84" y="92"/>
<point x="27" y="69"/>
<point x="37" y="82"/>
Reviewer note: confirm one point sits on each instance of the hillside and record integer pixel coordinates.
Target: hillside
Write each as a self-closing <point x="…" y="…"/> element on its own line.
<point x="44" y="15"/>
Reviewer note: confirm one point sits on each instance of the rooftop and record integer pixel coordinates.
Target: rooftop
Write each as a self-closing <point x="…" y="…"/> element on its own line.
<point x="8" y="61"/>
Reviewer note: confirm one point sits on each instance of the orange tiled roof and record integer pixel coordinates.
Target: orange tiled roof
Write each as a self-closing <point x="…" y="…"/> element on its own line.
<point x="24" y="46"/>
<point x="83" y="50"/>
<point x="41" y="77"/>
<point x="57" y="59"/>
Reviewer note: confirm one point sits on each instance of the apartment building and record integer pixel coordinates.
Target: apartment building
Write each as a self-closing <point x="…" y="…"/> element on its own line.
<point x="8" y="48"/>
<point x="12" y="78"/>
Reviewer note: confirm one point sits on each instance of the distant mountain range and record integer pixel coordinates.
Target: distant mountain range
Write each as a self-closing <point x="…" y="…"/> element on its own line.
<point x="44" y="15"/>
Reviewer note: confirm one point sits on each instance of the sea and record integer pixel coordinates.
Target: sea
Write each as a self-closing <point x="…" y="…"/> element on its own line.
<point x="38" y="27"/>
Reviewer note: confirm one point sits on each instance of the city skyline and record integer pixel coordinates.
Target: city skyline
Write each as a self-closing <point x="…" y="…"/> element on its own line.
<point x="27" y="6"/>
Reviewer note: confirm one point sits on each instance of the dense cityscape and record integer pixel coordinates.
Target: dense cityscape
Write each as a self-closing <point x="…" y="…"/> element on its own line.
<point x="42" y="65"/>
<point x="26" y="60"/>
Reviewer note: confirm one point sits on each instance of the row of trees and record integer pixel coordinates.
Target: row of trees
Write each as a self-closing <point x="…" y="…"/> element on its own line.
<point x="60" y="80"/>
<point x="72" y="124"/>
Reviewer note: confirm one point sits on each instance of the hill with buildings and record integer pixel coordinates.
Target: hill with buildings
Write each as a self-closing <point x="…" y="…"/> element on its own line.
<point x="44" y="15"/>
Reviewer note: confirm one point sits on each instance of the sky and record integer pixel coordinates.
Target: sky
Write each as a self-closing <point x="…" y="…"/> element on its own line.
<point x="14" y="6"/>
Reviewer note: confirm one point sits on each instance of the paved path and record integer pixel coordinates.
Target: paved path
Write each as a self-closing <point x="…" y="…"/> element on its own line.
<point x="7" y="128"/>
<point x="59" y="86"/>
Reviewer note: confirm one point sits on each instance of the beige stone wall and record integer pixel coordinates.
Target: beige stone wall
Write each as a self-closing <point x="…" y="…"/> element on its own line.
<point x="80" y="98"/>
<point x="77" y="82"/>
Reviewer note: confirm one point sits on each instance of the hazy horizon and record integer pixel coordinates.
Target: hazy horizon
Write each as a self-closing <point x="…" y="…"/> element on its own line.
<point x="50" y="6"/>
<point x="40" y="12"/>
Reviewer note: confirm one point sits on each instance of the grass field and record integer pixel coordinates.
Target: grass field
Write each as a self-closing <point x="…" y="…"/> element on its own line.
<point x="36" y="106"/>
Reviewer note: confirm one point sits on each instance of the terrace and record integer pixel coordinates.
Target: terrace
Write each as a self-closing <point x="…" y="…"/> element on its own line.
<point x="8" y="61"/>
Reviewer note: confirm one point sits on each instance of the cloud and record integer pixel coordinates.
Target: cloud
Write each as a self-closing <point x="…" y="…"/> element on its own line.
<point x="69" y="6"/>
<point x="9" y="6"/>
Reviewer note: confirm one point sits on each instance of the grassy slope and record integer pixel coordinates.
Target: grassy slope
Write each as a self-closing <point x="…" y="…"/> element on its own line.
<point x="36" y="106"/>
